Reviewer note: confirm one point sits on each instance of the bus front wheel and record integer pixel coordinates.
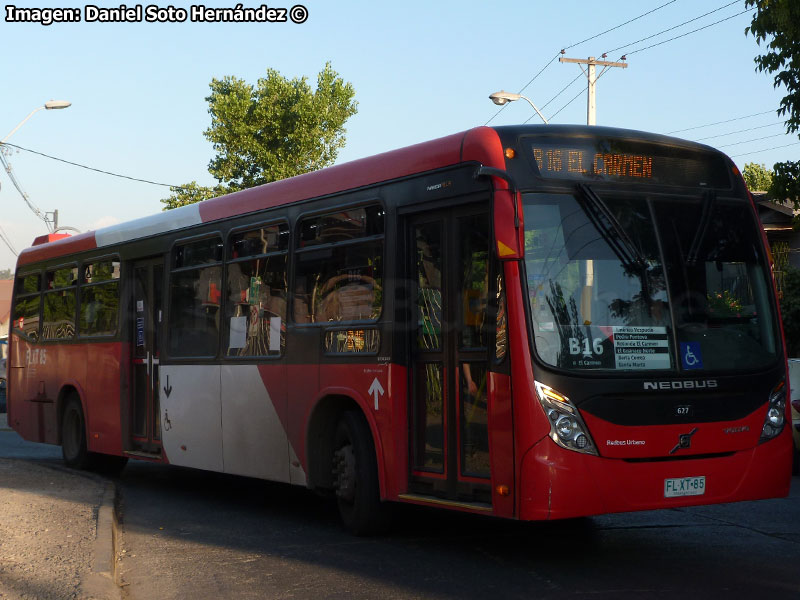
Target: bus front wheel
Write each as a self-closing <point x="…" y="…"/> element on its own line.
<point x="355" y="473"/>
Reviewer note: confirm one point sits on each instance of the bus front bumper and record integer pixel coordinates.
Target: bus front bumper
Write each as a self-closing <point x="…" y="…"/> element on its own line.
<point x="557" y="484"/>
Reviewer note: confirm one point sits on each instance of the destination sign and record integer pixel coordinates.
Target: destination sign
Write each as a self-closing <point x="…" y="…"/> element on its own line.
<point x="604" y="159"/>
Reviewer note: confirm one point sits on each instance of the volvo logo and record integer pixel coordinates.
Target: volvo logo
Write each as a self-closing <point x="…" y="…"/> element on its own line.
<point x="684" y="441"/>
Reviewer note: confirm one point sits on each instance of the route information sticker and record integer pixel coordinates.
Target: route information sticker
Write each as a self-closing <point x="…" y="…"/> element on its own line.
<point x="619" y="347"/>
<point x="637" y="348"/>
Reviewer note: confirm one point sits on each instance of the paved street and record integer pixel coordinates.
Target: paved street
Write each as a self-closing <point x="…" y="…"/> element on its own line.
<point x="201" y="535"/>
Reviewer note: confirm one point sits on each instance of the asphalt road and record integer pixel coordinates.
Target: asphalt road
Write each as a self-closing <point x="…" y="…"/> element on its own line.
<point x="189" y="534"/>
<point x="197" y="535"/>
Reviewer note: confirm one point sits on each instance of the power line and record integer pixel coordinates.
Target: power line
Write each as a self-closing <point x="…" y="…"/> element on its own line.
<point x="753" y="140"/>
<point x="578" y="95"/>
<point x="675" y="26"/>
<point x="737" y="131"/>
<point x="765" y="149"/>
<point x="677" y="37"/>
<point x="22" y="192"/>
<point x="621" y="25"/>
<point x="659" y="43"/>
<point x="502" y="108"/>
<point x="575" y="97"/>
<point x="720" y="122"/>
<point x="564" y="89"/>
<point x="7" y="242"/>
<point x="74" y="164"/>
<point x="535" y="76"/>
<point x="524" y="87"/>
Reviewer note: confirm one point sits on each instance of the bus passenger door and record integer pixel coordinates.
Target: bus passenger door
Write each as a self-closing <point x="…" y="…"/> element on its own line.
<point x="144" y="415"/>
<point x="449" y="370"/>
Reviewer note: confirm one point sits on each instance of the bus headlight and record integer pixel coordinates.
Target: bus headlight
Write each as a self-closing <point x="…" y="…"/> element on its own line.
<point x="567" y="429"/>
<point x="776" y="413"/>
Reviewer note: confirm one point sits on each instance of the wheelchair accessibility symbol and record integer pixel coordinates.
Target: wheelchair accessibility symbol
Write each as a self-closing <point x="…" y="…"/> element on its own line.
<point x="691" y="358"/>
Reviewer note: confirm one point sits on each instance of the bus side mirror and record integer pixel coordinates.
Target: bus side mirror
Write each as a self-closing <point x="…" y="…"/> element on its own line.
<point x="508" y="227"/>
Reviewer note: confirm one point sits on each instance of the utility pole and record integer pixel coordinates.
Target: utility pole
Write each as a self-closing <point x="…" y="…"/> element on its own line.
<point x="591" y="105"/>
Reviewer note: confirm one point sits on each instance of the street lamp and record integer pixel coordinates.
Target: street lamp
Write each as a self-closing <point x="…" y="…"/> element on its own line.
<point x="502" y="97"/>
<point x="51" y="105"/>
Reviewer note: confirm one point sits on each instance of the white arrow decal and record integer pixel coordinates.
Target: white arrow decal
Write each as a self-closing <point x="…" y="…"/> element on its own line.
<point x="375" y="389"/>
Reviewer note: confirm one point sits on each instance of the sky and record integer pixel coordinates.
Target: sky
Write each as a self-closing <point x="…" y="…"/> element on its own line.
<point x="421" y="70"/>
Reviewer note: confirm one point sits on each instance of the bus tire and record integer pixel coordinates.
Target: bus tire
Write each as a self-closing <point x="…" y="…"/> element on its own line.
<point x="355" y="473"/>
<point x="73" y="435"/>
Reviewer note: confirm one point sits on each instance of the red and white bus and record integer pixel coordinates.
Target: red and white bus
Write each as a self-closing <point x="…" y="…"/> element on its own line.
<point x="530" y="322"/>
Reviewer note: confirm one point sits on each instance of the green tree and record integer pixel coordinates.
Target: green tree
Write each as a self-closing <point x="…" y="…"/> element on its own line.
<point x="757" y="177"/>
<point x="786" y="182"/>
<point x="272" y="130"/>
<point x="6" y="274"/>
<point x="777" y="23"/>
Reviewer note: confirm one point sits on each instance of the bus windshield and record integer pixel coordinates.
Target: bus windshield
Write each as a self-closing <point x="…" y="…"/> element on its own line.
<point x="638" y="283"/>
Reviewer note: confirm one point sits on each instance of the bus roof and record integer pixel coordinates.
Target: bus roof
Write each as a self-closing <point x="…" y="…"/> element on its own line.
<point x="481" y="144"/>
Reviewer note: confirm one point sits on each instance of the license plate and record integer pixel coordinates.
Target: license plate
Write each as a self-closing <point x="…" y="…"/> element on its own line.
<point x="684" y="486"/>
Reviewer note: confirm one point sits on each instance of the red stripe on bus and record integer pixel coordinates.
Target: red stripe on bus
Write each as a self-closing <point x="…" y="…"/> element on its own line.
<point x="483" y="145"/>
<point x="63" y="247"/>
<point x="358" y="173"/>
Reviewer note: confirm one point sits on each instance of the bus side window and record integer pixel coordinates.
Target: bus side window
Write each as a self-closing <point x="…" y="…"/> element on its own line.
<point x="341" y="282"/>
<point x="195" y="296"/>
<point x="99" y="299"/>
<point x="26" y="305"/>
<point x="256" y="303"/>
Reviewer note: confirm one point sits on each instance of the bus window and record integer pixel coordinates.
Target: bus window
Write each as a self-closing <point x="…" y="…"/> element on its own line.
<point x="591" y="290"/>
<point x="474" y="286"/>
<point x="58" y="321"/>
<point x="99" y="298"/>
<point x="195" y="296"/>
<point x="256" y="307"/>
<point x="26" y="306"/>
<point x="721" y="291"/>
<point x="341" y="282"/>
<point x="501" y="323"/>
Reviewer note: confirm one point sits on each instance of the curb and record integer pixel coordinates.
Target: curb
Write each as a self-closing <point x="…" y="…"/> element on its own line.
<point x="101" y="583"/>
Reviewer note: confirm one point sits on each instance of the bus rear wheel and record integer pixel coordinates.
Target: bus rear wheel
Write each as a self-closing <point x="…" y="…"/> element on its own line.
<point x="355" y="475"/>
<point x="73" y="435"/>
<point x="74" y="449"/>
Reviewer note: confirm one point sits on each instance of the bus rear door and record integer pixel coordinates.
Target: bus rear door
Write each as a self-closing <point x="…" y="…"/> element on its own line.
<point x="145" y="421"/>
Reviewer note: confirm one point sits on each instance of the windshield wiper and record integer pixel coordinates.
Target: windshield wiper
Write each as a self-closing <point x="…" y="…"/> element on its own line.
<point x="709" y="201"/>
<point x="611" y="229"/>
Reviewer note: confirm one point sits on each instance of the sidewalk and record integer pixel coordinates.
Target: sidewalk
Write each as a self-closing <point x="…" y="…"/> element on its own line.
<point x="56" y="532"/>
